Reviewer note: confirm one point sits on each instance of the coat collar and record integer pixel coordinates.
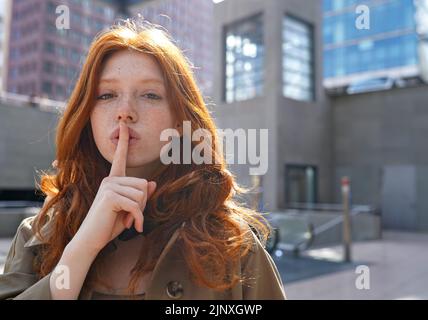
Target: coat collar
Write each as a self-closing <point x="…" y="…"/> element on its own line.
<point x="44" y="231"/>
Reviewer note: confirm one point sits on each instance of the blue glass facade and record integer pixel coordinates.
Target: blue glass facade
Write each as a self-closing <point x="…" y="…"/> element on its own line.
<point x="390" y="42"/>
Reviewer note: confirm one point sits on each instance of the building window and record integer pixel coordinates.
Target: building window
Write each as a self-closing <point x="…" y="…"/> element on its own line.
<point x="75" y="56"/>
<point x="61" y="70"/>
<point x="51" y="7"/>
<point x="49" y="47"/>
<point x="297" y="59"/>
<point x="244" y="55"/>
<point x="300" y="184"/>
<point x="15" y="73"/>
<point x="72" y="72"/>
<point x="48" y="67"/>
<point x="15" y="53"/>
<point x="60" y="91"/>
<point x="60" y="51"/>
<point x="47" y="87"/>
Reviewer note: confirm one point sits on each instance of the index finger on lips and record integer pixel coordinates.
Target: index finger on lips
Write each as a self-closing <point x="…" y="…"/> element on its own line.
<point x="118" y="166"/>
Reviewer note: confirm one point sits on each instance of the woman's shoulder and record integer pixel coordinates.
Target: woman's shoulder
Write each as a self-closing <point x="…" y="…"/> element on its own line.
<point x="260" y="276"/>
<point x="25" y="228"/>
<point x="26" y="232"/>
<point x="252" y="235"/>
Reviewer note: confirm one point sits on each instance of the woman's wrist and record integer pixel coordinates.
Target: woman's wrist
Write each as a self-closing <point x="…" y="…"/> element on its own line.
<point x="69" y="275"/>
<point x="78" y="248"/>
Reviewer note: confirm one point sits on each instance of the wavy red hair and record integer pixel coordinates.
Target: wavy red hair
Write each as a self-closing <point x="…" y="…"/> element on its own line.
<point x="213" y="239"/>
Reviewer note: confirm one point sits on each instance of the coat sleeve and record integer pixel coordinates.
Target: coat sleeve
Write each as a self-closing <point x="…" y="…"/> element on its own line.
<point x="263" y="281"/>
<point x="19" y="281"/>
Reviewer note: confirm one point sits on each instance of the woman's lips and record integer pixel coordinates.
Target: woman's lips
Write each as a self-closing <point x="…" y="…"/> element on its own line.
<point x="131" y="142"/>
<point x="133" y="136"/>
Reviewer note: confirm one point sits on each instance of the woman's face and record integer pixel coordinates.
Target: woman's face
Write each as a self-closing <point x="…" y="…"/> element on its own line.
<point x="132" y="89"/>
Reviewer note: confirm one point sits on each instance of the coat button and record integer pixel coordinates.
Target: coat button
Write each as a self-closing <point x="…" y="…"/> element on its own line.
<point x="174" y="290"/>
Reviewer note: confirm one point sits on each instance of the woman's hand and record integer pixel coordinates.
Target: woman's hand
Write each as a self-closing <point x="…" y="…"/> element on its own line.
<point x="119" y="202"/>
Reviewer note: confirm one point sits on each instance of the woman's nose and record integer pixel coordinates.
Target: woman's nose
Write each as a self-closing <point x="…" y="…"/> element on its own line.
<point x="126" y="110"/>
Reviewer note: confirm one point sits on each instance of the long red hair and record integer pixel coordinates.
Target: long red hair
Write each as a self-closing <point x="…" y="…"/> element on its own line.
<point x="204" y="195"/>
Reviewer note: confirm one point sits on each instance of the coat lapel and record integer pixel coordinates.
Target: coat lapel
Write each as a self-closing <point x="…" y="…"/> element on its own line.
<point x="44" y="231"/>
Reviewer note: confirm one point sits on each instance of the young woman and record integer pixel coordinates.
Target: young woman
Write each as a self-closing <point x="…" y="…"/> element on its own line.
<point x="117" y="222"/>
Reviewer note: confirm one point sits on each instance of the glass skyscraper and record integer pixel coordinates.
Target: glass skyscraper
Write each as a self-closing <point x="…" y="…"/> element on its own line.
<point x="44" y="60"/>
<point x="388" y="45"/>
<point x="189" y="22"/>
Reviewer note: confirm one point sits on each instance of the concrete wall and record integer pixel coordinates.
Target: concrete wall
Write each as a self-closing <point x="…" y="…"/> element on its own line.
<point x="380" y="142"/>
<point x="257" y="113"/>
<point x="305" y="129"/>
<point x="299" y="132"/>
<point x="26" y="145"/>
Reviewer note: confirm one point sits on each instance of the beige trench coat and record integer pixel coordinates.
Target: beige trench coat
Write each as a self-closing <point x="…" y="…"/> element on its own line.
<point x="170" y="278"/>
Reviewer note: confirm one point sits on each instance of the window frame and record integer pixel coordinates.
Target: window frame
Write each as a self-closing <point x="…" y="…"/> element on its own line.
<point x="225" y="30"/>
<point x="312" y="59"/>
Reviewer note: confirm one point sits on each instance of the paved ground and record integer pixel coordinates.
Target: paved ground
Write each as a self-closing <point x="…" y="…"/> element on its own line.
<point x="398" y="266"/>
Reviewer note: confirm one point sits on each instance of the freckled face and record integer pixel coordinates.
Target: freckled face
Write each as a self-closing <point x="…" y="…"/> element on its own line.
<point x="131" y="89"/>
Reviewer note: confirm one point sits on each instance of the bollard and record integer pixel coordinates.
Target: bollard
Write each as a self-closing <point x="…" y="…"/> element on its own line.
<point x="347" y="237"/>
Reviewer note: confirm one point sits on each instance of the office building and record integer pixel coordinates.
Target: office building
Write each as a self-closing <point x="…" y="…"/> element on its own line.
<point x="190" y="22"/>
<point x="374" y="39"/>
<point x="45" y="51"/>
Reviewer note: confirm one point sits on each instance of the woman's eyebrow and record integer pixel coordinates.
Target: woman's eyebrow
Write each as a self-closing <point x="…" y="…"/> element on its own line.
<point x="147" y="80"/>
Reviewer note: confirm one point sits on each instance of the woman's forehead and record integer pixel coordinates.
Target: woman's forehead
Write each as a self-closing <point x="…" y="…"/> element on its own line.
<point x="126" y="64"/>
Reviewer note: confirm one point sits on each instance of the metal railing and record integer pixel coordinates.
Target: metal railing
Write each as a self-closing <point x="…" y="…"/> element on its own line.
<point x="308" y="232"/>
<point x="330" y="207"/>
<point x="41" y="103"/>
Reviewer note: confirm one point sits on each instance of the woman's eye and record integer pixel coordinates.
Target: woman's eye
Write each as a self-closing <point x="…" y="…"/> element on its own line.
<point x="153" y="96"/>
<point x="105" y="96"/>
